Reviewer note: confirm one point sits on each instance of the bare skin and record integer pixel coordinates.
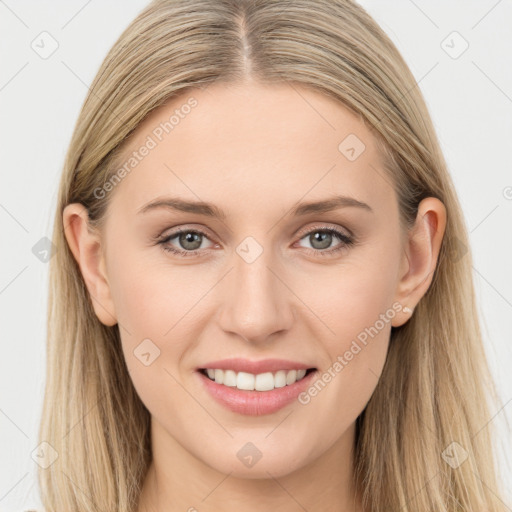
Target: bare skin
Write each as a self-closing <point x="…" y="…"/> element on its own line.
<point x="255" y="152"/>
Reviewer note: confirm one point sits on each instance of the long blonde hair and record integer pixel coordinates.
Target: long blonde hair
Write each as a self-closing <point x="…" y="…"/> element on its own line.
<point x="435" y="388"/>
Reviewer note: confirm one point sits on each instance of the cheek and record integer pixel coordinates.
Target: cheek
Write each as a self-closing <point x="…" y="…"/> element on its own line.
<point x="351" y="297"/>
<point x="159" y="309"/>
<point x="148" y="293"/>
<point x="354" y="304"/>
<point x="357" y="315"/>
<point x="156" y="330"/>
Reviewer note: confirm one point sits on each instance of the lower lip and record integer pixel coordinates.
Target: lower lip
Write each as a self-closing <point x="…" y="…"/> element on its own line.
<point x="255" y="403"/>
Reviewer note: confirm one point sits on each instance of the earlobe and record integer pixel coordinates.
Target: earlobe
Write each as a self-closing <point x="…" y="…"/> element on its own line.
<point x="85" y="245"/>
<point x="420" y="256"/>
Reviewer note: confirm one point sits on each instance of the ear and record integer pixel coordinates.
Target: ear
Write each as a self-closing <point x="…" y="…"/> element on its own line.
<point x="420" y="256"/>
<point x="85" y="244"/>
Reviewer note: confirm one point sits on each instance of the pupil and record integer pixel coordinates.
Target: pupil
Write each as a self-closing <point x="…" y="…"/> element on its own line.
<point x="323" y="237"/>
<point x="188" y="238"/>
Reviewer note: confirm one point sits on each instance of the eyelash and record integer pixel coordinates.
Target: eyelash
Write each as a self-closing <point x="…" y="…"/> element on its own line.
<point x="345" y="242"/>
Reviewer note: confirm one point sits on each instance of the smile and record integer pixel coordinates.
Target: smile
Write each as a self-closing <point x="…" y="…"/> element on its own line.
<point x="259" y="382"/>
<point x="255" y="394"/>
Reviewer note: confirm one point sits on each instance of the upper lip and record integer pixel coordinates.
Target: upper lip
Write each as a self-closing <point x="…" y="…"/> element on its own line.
<point x="255" y="367"/>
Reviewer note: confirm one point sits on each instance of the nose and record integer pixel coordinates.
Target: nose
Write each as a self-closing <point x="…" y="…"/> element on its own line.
<point x="257" y="303"/>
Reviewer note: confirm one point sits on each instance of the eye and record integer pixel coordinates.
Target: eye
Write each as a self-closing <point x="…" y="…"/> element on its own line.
<point x="189" y="240"/>
<point x="322" y="238"/>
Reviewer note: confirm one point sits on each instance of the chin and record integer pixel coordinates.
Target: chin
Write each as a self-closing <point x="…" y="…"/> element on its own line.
<point x="266" y="467"/>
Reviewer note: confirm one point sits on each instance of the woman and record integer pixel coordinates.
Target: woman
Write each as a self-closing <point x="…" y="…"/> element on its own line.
<point x="262" y="295"/>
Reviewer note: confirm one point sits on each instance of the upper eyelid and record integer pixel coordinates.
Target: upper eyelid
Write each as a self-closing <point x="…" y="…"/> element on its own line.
<point x="179" y="230"/>
<point x="325" y="227"/>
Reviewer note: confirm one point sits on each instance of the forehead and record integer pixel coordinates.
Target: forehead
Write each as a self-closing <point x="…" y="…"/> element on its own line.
<point x="258" y="144"/>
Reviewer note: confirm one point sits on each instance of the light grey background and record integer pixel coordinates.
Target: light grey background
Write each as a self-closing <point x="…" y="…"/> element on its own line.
<point x="469" y="97"/>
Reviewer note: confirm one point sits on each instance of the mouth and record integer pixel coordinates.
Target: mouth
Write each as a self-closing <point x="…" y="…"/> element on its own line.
<point x="262" y="382"/>
<point x="255" y="394"/>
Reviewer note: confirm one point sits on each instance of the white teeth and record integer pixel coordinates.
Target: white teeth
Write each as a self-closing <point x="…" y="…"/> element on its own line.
<point x="291" y="377"/>
<point x="244" y="381"/>
<point x="229" y="378"/>
<point x="280" y="379"/>
<point x="264" y="382"/>
<point x="260" y="382"/>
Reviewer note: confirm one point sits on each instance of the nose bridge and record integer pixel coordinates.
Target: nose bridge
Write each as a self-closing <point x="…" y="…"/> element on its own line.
<point x="257" y="305"/>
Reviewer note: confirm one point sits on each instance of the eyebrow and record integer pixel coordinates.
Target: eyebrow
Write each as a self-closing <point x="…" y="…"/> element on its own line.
<point x="211" y="210"/>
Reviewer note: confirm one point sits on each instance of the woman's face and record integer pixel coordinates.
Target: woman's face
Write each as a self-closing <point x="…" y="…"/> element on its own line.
<point x="257" y="274"/>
